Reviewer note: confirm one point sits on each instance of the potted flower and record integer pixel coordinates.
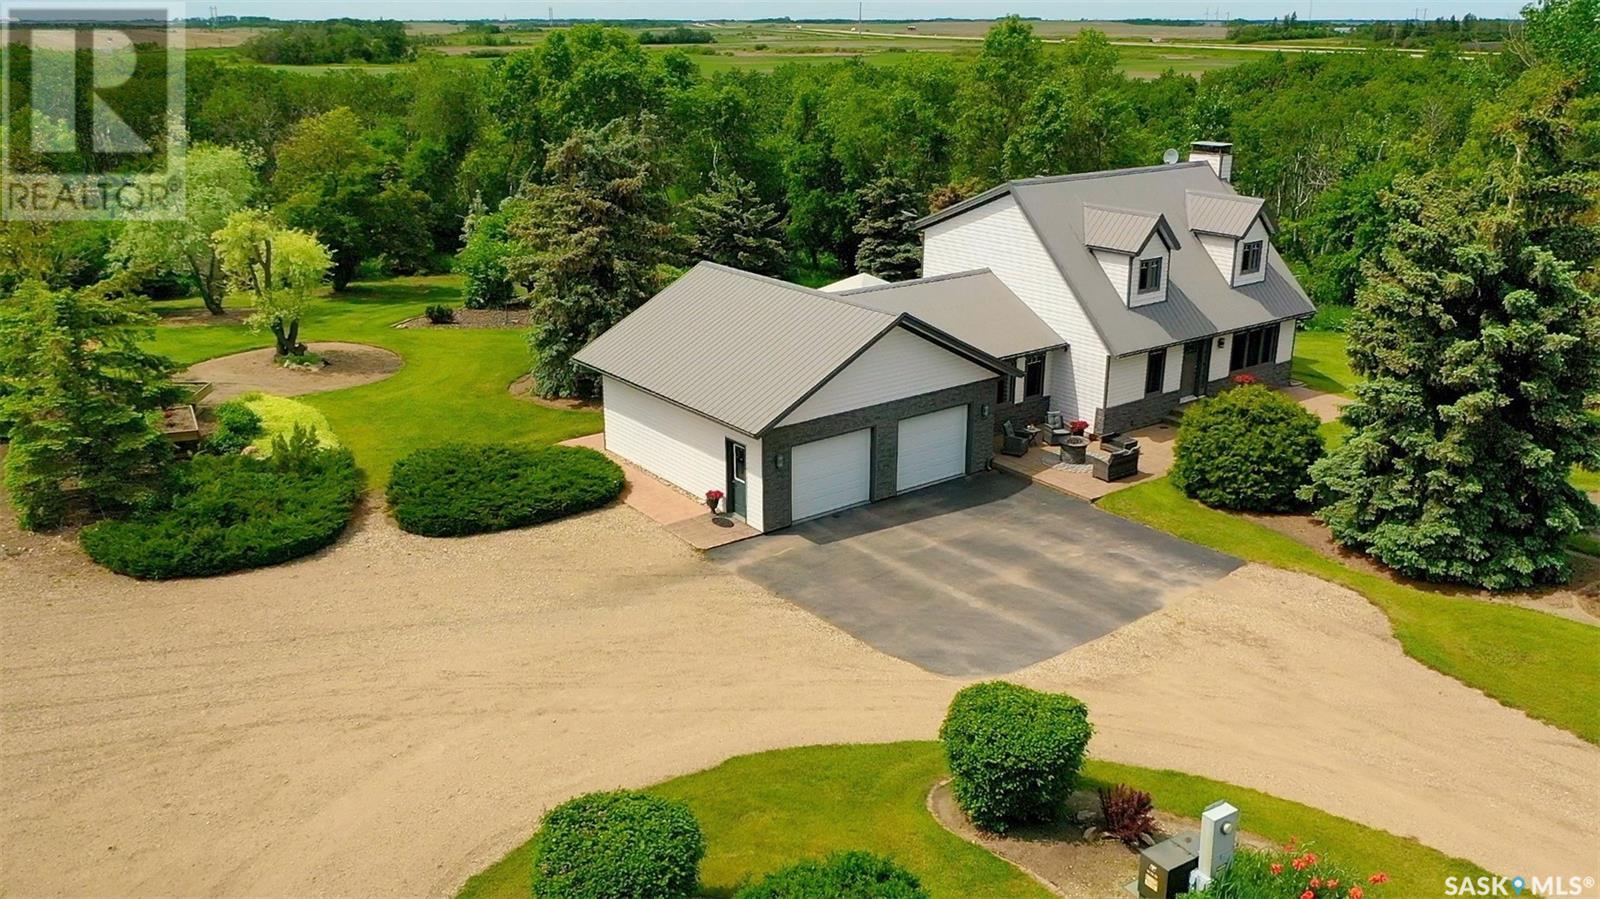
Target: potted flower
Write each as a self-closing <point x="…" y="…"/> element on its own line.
<point x="1077" y="426"/>
<point x="1244" y="378"/>
<point x="713" y="500"/>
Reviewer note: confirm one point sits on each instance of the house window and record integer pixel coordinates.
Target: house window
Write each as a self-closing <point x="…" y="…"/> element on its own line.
<point x="1033" y="384"/>
<point x="1006" y="389"/>
<point x="1155" y="372"/>
<point x="1250" y="263"/>
<point x="1149" y="275"/>
<point x="1254" y="347"/>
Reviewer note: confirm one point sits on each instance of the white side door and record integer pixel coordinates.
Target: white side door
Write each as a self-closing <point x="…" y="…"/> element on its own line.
<point x="831" y="474"/>
<point x="933" y="448"/>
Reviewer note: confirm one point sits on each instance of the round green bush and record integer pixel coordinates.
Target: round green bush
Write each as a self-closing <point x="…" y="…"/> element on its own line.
<point x="1250" y="448"/>
<point x="227" y="513"/>
<point x="1014" y="753"/>
<point x="457" y="489"/>
<point x="238" y="426"/>
<point x="843" y="875"/>
<point x="619" y="845"/>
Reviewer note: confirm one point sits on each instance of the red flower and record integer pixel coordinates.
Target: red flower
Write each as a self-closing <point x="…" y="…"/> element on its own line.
<point x="1379" y="877"/>
<point x="1316" y="883"/>
<point x="1276" y="869"/>
<point x="1333" y="883"/>
<point x="1308" y="895"/>
<point x="1357" y="892"/>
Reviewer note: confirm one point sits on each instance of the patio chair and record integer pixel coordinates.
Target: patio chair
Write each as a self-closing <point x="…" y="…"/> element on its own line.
<point x="1117" y="458"/>
<point x="1011" y="442"/>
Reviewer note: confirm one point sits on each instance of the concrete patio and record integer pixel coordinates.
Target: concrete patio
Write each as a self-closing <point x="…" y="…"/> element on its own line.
<point x="680" y="514"/>
<point x="1042" y="465"/>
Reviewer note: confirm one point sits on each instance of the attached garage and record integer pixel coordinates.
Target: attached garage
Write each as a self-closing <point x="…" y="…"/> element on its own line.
<point x="793" y="403"/>
<point x="831" y="474"/>
<point x="932" y="448"/>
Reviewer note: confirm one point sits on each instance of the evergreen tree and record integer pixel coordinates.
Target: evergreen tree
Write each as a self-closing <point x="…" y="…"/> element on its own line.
<point x="83" y="397"/>
<point x="890" y="246"/>
<point x="1481" y="359"/>
<point x="730" y="225"/>
<point x="590" y="242"/>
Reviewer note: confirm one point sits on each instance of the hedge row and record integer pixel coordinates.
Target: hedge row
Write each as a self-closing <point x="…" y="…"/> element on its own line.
<point x="457" y="489"/>
<point x="233" y="512"/>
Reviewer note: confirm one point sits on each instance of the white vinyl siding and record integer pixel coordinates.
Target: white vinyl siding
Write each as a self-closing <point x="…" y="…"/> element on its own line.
<point x="899" y="365"/>
<point x="1127" y="379"/>
<point x="1286" y="341"/>
<point x="1221" y="356"/>
<point x="1174" y="373"/>
<point x="997" y="236"/>
<point x="1118" y="269"/>
<point x="831" y="474"/>
<point x="932" y="448"/>
<point x="683" y="448"/>
<point x="1221" y="251"/>
<point x="1155" y="248"/>
<point x="1258" y="231"/>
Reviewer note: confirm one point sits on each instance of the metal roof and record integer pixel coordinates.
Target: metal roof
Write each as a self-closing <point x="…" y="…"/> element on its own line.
<point x="854" y="282"/>
<point x="975" y="306"/>
<point x="1200" y="301"/>
<point x="1229" y="215"/>
<point x="745" y="349"/>
<point x="1123" y="230"/>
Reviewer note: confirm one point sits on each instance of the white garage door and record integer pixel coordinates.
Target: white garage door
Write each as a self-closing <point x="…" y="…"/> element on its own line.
<point x="933" y="447"/>
<point x="831" y="474"/>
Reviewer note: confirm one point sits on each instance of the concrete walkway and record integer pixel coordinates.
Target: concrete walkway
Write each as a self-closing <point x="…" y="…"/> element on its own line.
<point x="680" y="514"/>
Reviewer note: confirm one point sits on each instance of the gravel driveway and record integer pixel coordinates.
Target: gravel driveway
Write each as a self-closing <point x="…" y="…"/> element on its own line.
<point x="390" y="715"/>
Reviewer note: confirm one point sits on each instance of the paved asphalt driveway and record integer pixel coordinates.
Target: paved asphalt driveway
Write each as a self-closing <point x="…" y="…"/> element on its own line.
<point x="979" y="576"/>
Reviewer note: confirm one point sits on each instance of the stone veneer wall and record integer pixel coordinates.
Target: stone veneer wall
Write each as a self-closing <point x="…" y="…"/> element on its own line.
<point x="1155" y="407"/>
<point x="1022" y="412"/>
<point x="884" y="420"/>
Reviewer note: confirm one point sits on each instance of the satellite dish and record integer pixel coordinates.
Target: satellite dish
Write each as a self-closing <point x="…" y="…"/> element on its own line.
<point x="1171" y="156"/>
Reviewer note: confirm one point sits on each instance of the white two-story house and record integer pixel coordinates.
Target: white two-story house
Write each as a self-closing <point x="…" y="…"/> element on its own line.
<point x="1161" y="282"/>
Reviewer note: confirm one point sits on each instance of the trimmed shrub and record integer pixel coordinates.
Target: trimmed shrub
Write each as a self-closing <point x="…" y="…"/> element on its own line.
<point x="280" y="416"/>
<point x="843" y="875"/>
<point x="237" y="426"/>
<point x="457" y="489"/>
<point x="440" y="314"/>
<point x="1014" y="753"/>
<point x="1250" y="448"/>
<point x="228" y="513"/>
<point x="619" y="845"/>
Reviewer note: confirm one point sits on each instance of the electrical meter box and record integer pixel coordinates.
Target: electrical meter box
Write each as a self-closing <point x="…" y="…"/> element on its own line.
<point x="1164" y="869"/>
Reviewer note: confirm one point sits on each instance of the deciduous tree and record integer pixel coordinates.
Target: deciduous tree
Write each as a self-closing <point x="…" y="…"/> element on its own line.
<point x="277" y="268"/>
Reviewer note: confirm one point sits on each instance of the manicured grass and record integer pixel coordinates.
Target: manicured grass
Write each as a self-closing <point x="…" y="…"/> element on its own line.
<point x="761" y="812"/>
<point x="1585" y="543"/>
<point x="1586" y="480"/>
<point x="1320" y="361"/>
<point x="453" y="386"/>
<point x="1529" y="660"/>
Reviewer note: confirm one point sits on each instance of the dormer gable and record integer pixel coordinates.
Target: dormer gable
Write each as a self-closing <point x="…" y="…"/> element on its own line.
<point x="1134" y="250"/>
<point x="1235" y="232"/>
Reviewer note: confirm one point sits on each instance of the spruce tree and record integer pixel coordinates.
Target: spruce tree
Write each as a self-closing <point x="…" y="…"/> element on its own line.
<point x="591" y="241"/>
<point x="730" y="225"/>
<point x="1481" y="359"/>
<point x="83" y="397"/>
<point x="890" y="246"/>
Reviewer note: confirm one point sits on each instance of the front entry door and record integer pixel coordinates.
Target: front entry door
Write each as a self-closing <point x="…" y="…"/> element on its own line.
<point x="738" y="490"/>
<point x="1193" y="353"/>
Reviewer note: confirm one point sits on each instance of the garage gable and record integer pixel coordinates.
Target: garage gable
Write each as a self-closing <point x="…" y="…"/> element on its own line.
<point x="899" y="364"/>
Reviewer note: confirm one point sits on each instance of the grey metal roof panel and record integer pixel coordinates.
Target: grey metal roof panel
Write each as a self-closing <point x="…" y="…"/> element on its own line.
<point x="1000" y="190"/>
<point x="1118" y="230"/>
<point x="1200" y="301"/>
<point x="975" y="306"/>
<point x="1229" y="215"/>
<point x="744" y="349"/>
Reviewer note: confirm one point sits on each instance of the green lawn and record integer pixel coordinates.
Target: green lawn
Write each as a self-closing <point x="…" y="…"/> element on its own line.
<point x="1320" y="361"/>
<point x="1547" y="666"/>
<point x="761" y="812"/>
<point x="452" y="386"/>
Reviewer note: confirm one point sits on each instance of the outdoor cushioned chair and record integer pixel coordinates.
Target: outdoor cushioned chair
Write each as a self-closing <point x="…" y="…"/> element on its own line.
<point x="1011" y="442"/>
<point x="1117" y="458"/>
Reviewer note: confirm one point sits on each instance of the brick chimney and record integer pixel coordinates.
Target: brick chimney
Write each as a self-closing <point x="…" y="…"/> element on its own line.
<point x="1217" y="154"/>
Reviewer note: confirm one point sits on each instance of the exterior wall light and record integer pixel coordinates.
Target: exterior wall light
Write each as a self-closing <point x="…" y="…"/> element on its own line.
<point x="983" y="410"/>
<point x="781" y="461"/>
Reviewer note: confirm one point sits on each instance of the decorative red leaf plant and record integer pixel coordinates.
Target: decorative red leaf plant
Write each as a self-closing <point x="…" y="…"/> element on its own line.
<point x="713" y="499"/>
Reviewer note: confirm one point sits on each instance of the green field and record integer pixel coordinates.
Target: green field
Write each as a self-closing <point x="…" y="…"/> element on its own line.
<point x="761" y="812"/>
<point x="453" y="385"/>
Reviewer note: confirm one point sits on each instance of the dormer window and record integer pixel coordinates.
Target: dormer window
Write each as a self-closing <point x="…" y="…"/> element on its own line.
<point x="1250" y="258"/>
<point x="1150" y="275"/>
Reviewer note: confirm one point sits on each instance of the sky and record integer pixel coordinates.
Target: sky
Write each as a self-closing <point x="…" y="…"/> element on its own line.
<point x="873" y="9"/>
